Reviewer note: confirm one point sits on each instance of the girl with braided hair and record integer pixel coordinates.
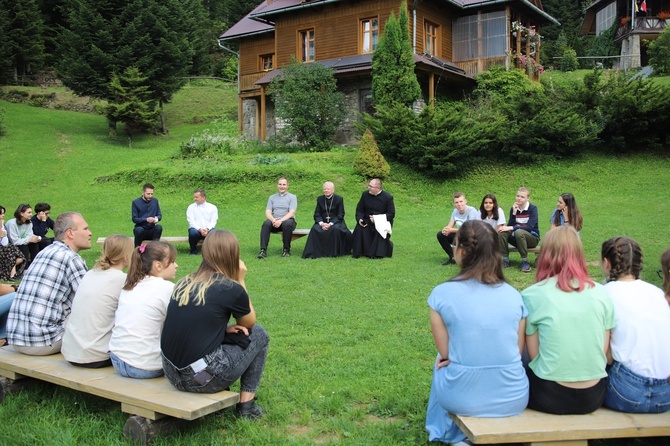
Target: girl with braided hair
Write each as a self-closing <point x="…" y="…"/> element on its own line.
<point x="639" y="364"/>
<point x="478" y="323"/>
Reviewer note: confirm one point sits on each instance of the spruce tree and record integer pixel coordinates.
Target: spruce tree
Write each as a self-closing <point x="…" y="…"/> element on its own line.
<point x="393" y="77"/>
<point x="22" y="38"/>
<point x="369" y="161"/>
<point x="131" y="102"/>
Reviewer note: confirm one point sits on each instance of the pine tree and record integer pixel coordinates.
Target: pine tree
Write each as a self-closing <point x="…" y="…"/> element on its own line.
<point x="369" y="161"/>
<point x="393" y="77"/>
<point x="22" y="39"/>
<point x="131" y="102"/>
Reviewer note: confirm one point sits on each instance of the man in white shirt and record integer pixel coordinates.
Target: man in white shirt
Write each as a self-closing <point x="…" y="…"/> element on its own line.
<point x="202" y="218"/>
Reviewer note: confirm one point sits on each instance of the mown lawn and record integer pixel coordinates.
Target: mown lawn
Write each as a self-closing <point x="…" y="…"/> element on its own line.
<point x="351" y="351"/>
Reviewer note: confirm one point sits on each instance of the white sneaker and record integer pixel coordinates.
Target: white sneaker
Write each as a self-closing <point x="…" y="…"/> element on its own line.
<point x="463" y="443"/>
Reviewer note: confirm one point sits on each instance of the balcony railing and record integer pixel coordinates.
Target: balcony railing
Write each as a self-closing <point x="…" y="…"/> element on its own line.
<point x="643" y="25"/>
<point x="248" y="81"/>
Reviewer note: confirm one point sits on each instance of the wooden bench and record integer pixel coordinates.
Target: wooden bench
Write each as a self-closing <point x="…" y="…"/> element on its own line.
<point x="155" y="405"/>
<point x="535" y="250"/>
<point x="298" y="233"/>
<point x="536" y="428"/>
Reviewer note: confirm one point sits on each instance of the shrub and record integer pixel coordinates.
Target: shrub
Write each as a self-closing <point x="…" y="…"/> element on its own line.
<point x="659" y="53"/>
<point x="569" y="62"/>
<point x="369" y="161"/>
<point x="502" y="82"/>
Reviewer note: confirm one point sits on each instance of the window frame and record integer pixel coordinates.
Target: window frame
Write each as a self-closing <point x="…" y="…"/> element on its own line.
<point x="434" y="37"/>
<point x="374" y="39"/>
<point x="304" y="44"/>
<point x="263" y="58"/>
<point x="470" y="43"/>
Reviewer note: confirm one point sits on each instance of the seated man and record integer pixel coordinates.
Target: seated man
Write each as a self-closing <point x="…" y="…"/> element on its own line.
<point x="146" y="213"/>
<point x="461" y="213"/>
<point x="329" y="237"/>
<point x="279" y="217"/>
<point x="42" y="223"/>
<point x="371" y="238"/>
<point x="202" y="217"/>
<point x="523" y="230"/>
<point x="43" y="300"/>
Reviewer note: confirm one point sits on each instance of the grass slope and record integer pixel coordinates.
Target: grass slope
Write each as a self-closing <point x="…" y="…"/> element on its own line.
<point x="351" y="350"/>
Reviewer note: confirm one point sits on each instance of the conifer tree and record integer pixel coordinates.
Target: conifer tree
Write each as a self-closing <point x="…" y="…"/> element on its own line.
<point x="22" y="37"/>
<point x="393" y="77"/>
<point x="131" y="102"/>
<point x="369" y="162"/>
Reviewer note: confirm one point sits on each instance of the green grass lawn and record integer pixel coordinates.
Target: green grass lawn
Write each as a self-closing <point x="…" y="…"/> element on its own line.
<point x="351" y="350"/>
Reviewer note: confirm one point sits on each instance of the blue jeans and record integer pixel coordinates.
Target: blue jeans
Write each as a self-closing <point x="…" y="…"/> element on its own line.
<point x="129" y="371"/>
<point x="5" y="305"/>
<point x="630" y="392"/>
<point x="226" y="364"/>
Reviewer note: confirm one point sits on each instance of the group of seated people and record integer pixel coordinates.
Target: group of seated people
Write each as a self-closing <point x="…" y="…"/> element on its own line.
<point x="141" y="323"/>
<point x="22" y="238"/>
<point x="565" y="345"/>
<point x="520" y="230"/>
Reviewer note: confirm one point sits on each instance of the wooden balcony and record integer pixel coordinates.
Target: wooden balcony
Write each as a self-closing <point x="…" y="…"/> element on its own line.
<point x="476" y="66"/>
<point x="248" y="81"/>
<point x="643" y="25"/>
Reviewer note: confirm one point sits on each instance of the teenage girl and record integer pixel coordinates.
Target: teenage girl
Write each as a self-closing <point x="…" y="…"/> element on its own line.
<point x="135" y="344"/>
<point x="567" y="213"/>
<point x="89" y="327"/>
<point x="639" y="365"/>
<point x="491" y="213"/>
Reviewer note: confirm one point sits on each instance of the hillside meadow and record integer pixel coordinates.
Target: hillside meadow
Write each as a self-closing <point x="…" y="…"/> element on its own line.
<point x="351" y="351"/>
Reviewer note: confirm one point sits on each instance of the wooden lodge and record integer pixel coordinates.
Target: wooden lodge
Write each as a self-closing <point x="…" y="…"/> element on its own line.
<point x="453" y="41"/>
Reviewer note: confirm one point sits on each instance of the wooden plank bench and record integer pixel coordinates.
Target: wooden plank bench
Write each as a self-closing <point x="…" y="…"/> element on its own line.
<point x="298" y="233"/>
<point x="154" y="404"/>
<point x="536" y="428"/>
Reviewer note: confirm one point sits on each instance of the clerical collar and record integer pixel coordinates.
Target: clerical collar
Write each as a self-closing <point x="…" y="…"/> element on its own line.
<point x="380" y="191"/>
<point x="329" y="197"/>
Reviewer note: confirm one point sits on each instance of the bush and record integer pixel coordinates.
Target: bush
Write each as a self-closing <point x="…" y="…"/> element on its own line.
<point x="569" y="62"/>
<point x="369" y="161"/>
<point x="659" y="53"/>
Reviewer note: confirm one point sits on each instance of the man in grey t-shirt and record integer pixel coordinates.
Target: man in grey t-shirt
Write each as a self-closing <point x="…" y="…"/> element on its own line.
<point x="462" y="213"/>
<point x="279" y="217"/>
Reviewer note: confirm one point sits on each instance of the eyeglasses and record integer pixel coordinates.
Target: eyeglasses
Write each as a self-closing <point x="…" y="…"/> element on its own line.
<point x="372" y="186"/>
<point x="660" y="273"/>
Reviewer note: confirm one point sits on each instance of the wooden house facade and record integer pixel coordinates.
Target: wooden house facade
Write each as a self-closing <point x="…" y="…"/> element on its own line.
<point x="452" y="40"/>
<point x="637" y="21"/>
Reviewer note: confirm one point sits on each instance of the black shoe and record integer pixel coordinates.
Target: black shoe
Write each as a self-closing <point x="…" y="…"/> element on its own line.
<point x="263" y="254"/>
<point x="286" y="253"/>
<point x="449" y="262"/>
<point x="249" y="410"/>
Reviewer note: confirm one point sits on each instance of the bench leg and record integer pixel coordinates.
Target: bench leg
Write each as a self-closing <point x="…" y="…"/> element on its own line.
<point x="11" y="386"/>
<point x="143" y="431"/>
<point x="559" y="443"/>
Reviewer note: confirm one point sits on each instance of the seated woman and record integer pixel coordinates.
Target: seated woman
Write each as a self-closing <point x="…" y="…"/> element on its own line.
<point x="491" y="213"/>
<point x="329" y="237"/>
<point x="12" y="260"/>
<point x="201" y="352"/>
<point x="567" y="335"/>
<point x="7" y="293"/>
<point x="665" y="267"/>
<point x="20" y="232"/>
<point x="478" y="324"/>
<point x="640" y="342"/>
<point x="567" y="213"/>
<point x="134" y="347"/>
<point x="89" y="327"/>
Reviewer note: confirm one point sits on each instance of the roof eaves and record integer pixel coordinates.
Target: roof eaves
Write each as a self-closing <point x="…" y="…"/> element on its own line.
<point x="261" y="14"/>
<point x="527" y="3"/>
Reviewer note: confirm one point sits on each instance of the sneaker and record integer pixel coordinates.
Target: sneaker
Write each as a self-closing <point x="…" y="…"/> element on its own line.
<point x="525" y="266"/>
<point x="263" y="254"/>
<point x="505" y="263"/>
<point x="249" y="410"/>
<point x="286" y="253"/>
<point x="449" y="262"/>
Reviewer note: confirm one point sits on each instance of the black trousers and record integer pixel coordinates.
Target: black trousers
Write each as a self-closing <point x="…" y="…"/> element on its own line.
<point x="446" y="241"/>
<point x="286" y="228"/>
<point x="142" y="234"/>
<point x="551" y="397"/>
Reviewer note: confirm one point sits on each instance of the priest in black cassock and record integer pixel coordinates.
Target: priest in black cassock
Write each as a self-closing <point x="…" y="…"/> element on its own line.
<point x="329" y="237"/>
<point x="367" y="241"/>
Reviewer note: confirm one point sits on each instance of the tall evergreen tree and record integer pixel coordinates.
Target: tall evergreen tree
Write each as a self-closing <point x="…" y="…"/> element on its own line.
<point x="393" y="77"/>
<point x="160" y="37"/>
<point x="5" y="50"/>
<point x="23" y="40"/>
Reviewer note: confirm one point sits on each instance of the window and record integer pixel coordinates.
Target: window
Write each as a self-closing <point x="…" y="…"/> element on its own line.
<point x="369" y="35"/>
<point x="307" y="52"/>
<point x="365" y="104"/>
<point x="431" y="39"/>
<point x="605" y="18"/>
<point x="480" y="36"/>
<point x="266" y="62"/>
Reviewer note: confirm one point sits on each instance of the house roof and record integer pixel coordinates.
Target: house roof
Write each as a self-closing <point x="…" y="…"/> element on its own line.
<point x="260" y="20"/>
<point x="363" y="62"/>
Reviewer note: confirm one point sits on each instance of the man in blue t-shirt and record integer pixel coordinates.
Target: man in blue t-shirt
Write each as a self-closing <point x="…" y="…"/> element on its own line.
<point x="461" y="213"/>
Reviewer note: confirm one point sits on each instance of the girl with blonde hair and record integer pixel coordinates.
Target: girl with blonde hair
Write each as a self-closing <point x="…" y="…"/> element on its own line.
<point x="89" y="326"/>
<point x="202" y="353"/>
